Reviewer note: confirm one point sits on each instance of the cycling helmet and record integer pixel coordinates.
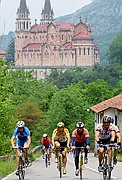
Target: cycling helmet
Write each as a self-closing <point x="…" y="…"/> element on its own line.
<point x="106" y="119"/>
<point x="45" y="135"/>
<point x="20" y="124"/>
<point x="112" y="120"/>
<point x="79" y="125"/>
<point x="60" y="124"/>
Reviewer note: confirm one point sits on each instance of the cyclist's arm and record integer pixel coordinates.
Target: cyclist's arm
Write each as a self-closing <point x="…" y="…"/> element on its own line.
<point x="53" y="140"/>
<point x="97" y="133"/>
<point x="119" y="137"/>
<point x="68" y="140"/>
<point x="12" y="141"/>
<point x="29" y="141"/>
<point x="112" y="136"/>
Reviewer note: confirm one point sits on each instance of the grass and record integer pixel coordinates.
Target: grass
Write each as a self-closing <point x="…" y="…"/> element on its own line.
<point x="9" y="166"/>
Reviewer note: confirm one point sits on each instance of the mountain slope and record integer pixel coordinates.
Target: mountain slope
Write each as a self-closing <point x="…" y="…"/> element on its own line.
<point x="106" y="18"/>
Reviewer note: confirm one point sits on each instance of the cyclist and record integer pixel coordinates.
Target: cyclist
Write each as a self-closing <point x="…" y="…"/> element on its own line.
<point x="46" y="144"/>
<point x="61" y="138"/>
<point x="80" y="138"/>
<point x="23" y="139"/>
<point x="105" y="134"/>
<point x="117" y="141"/>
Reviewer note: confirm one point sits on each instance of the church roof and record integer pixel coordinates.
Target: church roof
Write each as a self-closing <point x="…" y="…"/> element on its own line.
<point x="64" y="25"/>
<point x="40" y="27"/>
<point x="32" y="46"/>
<point x="83" y="35"/>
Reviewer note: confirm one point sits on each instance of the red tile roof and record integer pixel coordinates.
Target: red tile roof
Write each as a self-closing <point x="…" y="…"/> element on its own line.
<point x="64" y="25"/>
<point x="67" y="45"/>
<point x="114" y="102"/>
<point x="82" y="35"/>
<point x="40" y="27"/>
<point x="2" y="52"/>
<point x="32" y="46"/>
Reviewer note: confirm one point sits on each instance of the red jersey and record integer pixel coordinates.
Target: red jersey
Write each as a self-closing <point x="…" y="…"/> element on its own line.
<point x="46" y="141"/>
<point x="81" y="138"/>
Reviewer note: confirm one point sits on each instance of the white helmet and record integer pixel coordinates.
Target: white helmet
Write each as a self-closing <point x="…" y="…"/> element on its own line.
<point x="20" y="124"/>
<point x="44" y="135"/>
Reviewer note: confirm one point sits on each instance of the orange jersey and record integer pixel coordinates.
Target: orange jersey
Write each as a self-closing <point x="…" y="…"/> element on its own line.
<point x="82" y="137"/>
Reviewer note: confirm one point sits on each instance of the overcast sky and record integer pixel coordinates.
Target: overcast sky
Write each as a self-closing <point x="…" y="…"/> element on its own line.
<point x="8" y="9"/>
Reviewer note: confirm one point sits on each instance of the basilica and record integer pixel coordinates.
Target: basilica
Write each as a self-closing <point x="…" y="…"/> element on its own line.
<point x="50" y="44"/>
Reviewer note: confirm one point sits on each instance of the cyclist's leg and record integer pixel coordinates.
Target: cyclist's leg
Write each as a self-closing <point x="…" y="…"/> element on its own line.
<point x="109" y="149"/>
<point x="64" y="153"/>
<point x="100" y="158"/>
<point x="57" y="145"/>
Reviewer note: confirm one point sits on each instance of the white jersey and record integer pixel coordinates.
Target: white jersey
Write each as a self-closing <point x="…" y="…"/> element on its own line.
<point x="105" y="134"/>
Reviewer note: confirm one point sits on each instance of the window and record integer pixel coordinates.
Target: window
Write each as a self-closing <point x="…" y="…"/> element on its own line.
<point x="84" y="51"/>
<point x="88" y="51"/>
<point x="79" y="51"/>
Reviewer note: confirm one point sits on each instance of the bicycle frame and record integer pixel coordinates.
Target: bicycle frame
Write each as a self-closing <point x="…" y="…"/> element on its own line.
<point x="106" y="168"/>
<point x="46" y="156"/>
<point x="60" y="161"/>
<point x="81" y="161"/>
<point x="22" y="164"/>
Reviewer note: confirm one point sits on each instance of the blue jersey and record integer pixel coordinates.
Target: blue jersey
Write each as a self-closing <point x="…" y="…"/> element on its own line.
<point x="21" y="137"/>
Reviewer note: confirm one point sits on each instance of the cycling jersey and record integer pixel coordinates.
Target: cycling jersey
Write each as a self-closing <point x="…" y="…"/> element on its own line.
<point x="105" y="134"/>
<point x="80" y="138"/>
<point x="60" y="136"/>
<point x="46" y="142"/>
<point x="21" y="137"/>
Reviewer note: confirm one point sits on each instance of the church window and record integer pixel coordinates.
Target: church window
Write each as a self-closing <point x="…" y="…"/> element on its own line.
<point x="27" y="25"/>
<point x="17" y="56"/>
<point x="72" y="55"/>
<point x="88" y="51"/>
<point x="62" y="37"/>
<point x="80" y="51"/>
<point x="25" y="55"/>
<point x="24" y="25"/>
<point x="52" y="37"/>
<point x="84" y="51"/>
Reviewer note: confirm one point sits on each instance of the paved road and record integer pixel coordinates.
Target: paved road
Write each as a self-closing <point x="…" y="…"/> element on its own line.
<point x="38" y="171"/>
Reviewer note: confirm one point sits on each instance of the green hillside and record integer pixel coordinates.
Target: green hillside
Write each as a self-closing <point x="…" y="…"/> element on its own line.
<point x="106" y="18"/>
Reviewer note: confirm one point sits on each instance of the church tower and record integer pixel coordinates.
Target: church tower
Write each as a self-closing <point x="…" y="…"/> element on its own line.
<point x="47" y="13"/>
<point x="23" y="22"/>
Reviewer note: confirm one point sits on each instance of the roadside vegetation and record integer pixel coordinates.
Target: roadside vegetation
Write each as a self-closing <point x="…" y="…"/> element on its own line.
<point x="63" y="96"/>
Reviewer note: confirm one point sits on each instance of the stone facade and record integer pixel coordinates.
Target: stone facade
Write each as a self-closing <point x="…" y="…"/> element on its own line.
<point x="52" y="44"/>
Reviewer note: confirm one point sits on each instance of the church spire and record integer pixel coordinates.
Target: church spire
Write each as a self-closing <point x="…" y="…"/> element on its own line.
<point x="47" y="13"/>
<point x="23" y="20"/>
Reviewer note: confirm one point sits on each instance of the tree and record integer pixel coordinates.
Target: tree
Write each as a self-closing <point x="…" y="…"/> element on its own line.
<point x="10" y="51"/>
<point x="115" y="50"/>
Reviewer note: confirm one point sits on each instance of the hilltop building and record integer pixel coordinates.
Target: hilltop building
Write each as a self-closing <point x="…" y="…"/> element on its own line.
<point x="52" y="44"/>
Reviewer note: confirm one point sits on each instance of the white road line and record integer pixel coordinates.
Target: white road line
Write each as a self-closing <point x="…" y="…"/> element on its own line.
<point x="87" y="167"/>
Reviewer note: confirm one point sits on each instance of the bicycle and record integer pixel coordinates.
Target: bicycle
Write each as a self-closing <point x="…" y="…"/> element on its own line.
<point x="60" y="161"/>
<point x="46" y="154"/>
<point x="105" y="166"/>
<point x="81" y="161"/>
<point x="22" y="163"/>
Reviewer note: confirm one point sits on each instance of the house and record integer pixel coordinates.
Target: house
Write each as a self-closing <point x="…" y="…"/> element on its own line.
<point x="111" y="107"/>
<point x="2" y="54"/>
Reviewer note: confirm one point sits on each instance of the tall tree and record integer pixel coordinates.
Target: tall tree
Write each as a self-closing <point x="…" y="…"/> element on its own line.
<point x="115" y="50"/>
<point x="10" y="51"/>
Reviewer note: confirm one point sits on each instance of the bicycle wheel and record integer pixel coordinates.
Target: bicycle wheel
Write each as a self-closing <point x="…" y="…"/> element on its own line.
<point x="46" y="159"/>
<point x="21" y="172"/>
<point x="109" y="172"/>
<point x="105" y="168"/>
<point x="60" y="165"/>
<point x="81" y="166"/>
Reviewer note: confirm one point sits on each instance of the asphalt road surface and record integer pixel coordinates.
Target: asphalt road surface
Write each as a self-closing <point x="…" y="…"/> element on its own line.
<point x="38" y="171"/>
